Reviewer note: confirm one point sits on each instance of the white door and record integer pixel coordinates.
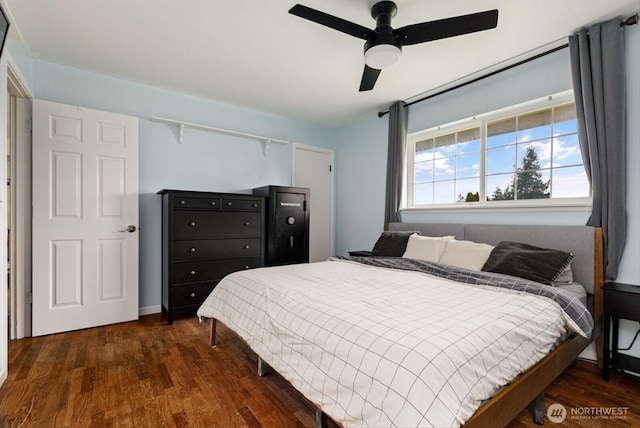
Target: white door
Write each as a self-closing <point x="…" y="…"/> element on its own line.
<point x="313" y="168"/>
<point x="85" y="216"/>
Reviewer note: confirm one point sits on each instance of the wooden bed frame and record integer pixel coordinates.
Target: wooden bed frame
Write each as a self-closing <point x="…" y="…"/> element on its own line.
<point x="528" y="388"/>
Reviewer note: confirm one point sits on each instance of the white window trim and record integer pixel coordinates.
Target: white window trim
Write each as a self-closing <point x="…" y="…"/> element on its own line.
<point x="542" y="205"/>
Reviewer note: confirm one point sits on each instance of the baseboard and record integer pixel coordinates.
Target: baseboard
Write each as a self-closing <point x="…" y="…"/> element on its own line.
<point x="3" y="376"/>
<point x="149" y="310"/>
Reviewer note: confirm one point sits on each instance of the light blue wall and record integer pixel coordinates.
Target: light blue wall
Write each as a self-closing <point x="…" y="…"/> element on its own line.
<point x="205" y="161"/>
<point x="361" y="165"/>
<point x="630" y="264"/>
<point x="362" y="149"/>
<point x="212" y="162"/>
<point x="545" y="76"/>
<point x="22" y="60"/>
<point x="365" y="182"/>
<point x="362" y="157"/>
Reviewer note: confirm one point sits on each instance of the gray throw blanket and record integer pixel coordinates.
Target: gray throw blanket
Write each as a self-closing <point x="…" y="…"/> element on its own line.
<point x="569" y="304"/>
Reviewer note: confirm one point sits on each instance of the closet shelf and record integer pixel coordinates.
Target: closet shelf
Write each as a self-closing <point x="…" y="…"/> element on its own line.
<point x="266" y="141"/>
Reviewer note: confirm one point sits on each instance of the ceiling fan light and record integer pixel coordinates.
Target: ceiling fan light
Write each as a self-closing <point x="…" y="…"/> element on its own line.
<point x="382" y="56"/>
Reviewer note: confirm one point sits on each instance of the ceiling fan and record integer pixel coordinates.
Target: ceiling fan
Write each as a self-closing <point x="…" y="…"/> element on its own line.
<point x="383" y="45"/>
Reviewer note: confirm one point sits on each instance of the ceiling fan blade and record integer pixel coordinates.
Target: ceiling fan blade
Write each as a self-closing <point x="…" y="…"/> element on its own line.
<point x="331" y="21"/>
<point x="448" y="27"/>
<point x="369" y="77"/>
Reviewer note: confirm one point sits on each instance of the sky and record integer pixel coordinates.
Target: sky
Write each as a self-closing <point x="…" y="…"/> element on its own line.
<point x="445" y="169"/>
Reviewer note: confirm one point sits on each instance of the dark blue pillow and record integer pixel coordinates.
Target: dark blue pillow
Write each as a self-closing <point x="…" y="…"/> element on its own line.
<point x="392" y="243"/>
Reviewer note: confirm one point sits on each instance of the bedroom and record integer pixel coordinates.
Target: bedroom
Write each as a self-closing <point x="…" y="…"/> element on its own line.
<point x="360" y="147"/>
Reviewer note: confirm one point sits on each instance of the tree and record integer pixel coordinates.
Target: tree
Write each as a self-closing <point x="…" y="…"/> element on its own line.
<point x="498" y="195"/>
<point x="530" y="184"/>
<point x="471" y="197"/>
<point x="527" y="180"/>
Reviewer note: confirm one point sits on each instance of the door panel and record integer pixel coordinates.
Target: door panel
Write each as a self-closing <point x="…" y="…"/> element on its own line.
<point x="313" y="168"/>
<point x="85" y="195"/>
<point x="66" y="185"/>
<point x="66" y="285"/>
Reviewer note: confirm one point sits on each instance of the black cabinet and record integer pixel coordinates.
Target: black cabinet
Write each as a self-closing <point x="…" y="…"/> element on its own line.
<point x="621" y="301"/>
<point x="206" y="236"/>
<point x="287" y="230"/>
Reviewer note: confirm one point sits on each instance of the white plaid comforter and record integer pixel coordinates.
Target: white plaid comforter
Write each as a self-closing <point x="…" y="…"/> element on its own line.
<point x="381" y="347"/>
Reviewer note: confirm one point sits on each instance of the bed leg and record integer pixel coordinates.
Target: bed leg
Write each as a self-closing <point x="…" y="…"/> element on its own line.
<point x="263" y="367"/>
<point x="321" y="419"/>
<point x="599" y="350"/>
<point x="212" y="333"/>
<point x="538" y="409"/>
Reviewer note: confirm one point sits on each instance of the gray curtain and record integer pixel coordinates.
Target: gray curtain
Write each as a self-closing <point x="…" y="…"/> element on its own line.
<point x="597" y="64"/>
<point x="395" y="160"/>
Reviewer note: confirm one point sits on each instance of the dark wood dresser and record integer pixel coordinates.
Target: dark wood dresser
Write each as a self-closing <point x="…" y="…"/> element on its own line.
<point x="206" y="236"/>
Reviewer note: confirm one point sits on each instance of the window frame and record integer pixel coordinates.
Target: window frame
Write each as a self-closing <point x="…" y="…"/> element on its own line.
<point x="481" y="121"/>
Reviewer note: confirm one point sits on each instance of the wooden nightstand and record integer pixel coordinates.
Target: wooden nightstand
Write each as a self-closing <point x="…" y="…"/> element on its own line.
<point x="621" y="301"/>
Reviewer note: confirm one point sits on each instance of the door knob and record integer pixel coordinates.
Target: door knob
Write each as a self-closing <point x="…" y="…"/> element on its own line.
<point x="131" y="228"/>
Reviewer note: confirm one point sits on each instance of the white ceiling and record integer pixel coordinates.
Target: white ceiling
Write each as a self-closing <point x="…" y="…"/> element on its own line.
<point x="254" y="54"/>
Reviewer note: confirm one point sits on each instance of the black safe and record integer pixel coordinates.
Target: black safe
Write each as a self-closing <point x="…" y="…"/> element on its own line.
<point x="287" y="224"/>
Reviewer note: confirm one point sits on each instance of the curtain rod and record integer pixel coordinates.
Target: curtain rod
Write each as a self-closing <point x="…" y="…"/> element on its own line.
<point x="632" y="20"/>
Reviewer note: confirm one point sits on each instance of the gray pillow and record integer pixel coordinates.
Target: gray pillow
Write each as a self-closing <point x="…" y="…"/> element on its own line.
<point x="542" y="265"/>
<point x="392" y="243"/>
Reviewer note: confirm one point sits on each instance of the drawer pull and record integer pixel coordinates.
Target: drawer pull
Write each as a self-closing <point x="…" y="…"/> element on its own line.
<point x="192" y="249"/>
<point x="213" y="203"/>
<point x="192" y="295"/>
<point x="246" y="223"/>
<point x="182" y="202"/>
<point x="246" y="247"/>
<point x="254" y="205"/>
<point x="193" y="272"/>
<point x="246" y="267"/>
<point x="193" y="223"/>
<point x="229" y="204"/>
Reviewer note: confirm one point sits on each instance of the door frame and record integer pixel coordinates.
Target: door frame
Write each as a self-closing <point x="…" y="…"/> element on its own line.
<point x="20" y="202"/>
<point x="294" y="148"/>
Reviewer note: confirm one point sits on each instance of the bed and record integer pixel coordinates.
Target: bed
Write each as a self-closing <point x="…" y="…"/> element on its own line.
<point x="468" y="348"/>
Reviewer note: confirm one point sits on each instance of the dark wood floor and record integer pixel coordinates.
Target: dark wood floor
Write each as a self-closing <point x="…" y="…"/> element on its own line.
<point x="149" y="374"/>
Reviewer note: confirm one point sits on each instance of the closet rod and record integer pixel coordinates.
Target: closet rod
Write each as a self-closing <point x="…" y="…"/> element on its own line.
<point x="182" y="124"/>
<point x="629" y="21"/>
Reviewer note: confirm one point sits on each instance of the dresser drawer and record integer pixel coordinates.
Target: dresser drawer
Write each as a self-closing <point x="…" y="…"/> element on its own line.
<point x="242" y="204"/>
<point x="211" y="203"/>
<point x="214" y="224"/>
<point x="216" y="249"/>
<point x="191" y="294"/>
<point x="209" y="271"/>
<point x="206" y="236"/>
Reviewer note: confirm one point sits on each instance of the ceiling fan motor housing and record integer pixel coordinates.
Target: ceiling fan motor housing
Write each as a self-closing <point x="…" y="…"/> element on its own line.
<point x="385" y="48"/>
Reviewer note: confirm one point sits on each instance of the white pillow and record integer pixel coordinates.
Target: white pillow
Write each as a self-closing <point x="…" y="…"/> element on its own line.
<point x="427" y="248"/>
<point x="466" y="254"/>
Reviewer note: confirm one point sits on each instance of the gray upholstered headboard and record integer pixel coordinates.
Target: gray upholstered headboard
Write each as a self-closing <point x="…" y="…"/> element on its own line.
<point x="579" y="240"/>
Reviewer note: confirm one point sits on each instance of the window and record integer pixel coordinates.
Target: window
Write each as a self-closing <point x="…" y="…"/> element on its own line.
<point x="524" y="155"/>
